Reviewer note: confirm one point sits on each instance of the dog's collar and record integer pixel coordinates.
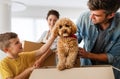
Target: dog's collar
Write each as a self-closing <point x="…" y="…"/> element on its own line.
<point x="73" y="36"/>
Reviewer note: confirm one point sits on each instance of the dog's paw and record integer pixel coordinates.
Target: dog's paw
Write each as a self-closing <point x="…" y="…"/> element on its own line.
<point x="68" y="66"/>
<point x="60" y="67"/>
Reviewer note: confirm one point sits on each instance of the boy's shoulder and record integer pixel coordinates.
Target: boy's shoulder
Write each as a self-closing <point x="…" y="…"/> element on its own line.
<point x="3" y="62"/>
<point x="22" y="54"/>
<point x="4" y="59"/>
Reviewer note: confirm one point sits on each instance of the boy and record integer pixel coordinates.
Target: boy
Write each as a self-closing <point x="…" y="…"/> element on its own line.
<point x="18" y="64"/>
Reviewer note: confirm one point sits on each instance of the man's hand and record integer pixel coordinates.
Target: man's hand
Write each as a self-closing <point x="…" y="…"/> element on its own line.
<point x="97" y="57"/>
<point x="83" y="53"/>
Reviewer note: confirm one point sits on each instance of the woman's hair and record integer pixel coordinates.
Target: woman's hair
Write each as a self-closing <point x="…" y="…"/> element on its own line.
<point x="108" y="5"/>
<point x="5" y="39"/>
<point x="53" y="12"/>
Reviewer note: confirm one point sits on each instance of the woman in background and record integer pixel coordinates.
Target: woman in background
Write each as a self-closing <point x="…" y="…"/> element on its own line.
<point x="52" y="17"/>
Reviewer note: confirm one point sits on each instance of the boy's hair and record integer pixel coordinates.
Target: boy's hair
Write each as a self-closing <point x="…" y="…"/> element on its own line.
<point x="4" y="39"/>
<point x="53" y="12"/>
<point x="108" y="5"/>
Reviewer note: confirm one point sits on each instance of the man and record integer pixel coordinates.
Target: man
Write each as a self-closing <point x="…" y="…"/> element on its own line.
<point x="100" y="30"/>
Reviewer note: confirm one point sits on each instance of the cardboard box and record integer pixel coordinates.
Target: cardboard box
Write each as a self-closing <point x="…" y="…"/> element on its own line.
<point x="89" y="72"/>
<point x="93" y="72"/>
<point x="30" y="46"/>
<point x="51" y="60"/>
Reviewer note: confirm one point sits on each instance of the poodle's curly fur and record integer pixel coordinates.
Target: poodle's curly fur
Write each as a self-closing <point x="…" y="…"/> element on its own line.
<point x="67" y="45"/>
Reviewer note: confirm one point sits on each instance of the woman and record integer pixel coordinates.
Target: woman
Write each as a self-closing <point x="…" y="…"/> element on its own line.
<point x="52" y="17"/>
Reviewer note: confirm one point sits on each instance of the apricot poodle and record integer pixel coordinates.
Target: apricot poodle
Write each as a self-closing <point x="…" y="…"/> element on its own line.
<point x="67" y="45"/>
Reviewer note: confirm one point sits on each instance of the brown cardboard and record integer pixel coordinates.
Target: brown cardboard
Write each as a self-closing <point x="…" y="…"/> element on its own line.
<point x="93" y="72"/>
<point x="30" y="46"/>
<point x="51" y="60"/>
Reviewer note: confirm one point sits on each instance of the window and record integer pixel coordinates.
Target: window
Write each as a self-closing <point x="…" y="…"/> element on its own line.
<point x="28" y="28"/>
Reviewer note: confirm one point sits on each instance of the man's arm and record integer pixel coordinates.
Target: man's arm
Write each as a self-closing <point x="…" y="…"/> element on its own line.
<point x="99" y="57"/>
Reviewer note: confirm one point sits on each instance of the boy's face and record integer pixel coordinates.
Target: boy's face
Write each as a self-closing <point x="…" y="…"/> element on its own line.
<point x="15" y="47"/>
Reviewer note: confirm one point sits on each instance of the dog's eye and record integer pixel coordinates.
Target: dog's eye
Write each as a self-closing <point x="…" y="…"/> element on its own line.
<point x="60" y="27"/>
<point x="67" y="25"/>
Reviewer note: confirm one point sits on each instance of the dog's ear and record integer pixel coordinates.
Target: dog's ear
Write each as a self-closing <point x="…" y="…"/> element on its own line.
<point x="74" y="28"/>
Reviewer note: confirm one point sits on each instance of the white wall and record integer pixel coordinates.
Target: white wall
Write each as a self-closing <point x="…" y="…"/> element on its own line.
<point x="41" y="12"/>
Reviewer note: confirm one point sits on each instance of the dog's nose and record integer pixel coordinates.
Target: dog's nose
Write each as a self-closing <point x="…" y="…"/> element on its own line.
<point x="65" y="31"/>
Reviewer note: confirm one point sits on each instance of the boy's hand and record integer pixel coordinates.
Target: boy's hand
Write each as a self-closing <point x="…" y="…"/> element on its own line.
<point x="54" y="32"/>
<point x="38" y="64"/>
<point x="31" y="68"/>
